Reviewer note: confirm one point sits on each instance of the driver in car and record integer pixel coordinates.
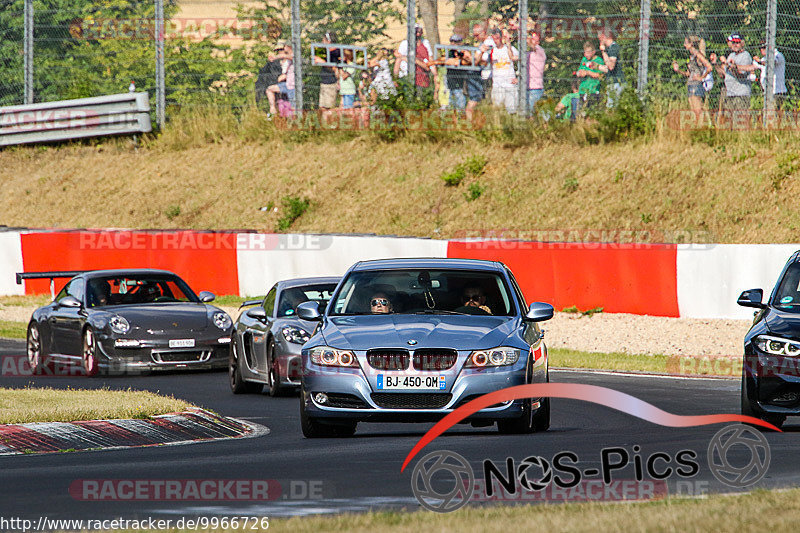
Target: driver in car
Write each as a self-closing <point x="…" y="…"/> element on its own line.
<point x="474" y="298"/>
<point x="380" y="304"/>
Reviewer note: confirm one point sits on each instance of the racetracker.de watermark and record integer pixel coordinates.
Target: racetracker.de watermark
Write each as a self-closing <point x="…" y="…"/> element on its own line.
<point x="196" y="490"/>
<point x="191" y="240"/>
<point x="591" y="239"/>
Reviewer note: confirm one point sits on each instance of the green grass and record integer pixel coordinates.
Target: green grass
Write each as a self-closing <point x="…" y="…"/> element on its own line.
<point x="18" y="406"/>
<point x="25" y="301"/>
<point x="231" y="300"/>
<point x="566" y="358"/>
<point x="13" y="330"/>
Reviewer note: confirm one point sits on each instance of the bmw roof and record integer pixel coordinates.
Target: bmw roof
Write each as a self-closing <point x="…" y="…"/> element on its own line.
<point x="428" y="262"/>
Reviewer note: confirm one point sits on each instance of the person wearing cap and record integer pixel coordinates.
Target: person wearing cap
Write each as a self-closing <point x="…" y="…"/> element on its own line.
<point x="738" y="67"/>
<point x="456" y="77"/>
<point x="504" y="78"/>
<point x="537" y="59"/>
<point x="329" y="77"/>
<point x="269" y="77"/>
<point x="779" y="71"/>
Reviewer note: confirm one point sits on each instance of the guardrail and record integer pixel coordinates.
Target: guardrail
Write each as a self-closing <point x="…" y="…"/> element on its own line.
<point x="75" y="119"/>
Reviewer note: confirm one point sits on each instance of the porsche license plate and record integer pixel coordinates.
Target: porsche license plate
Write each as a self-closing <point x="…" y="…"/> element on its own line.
<point x="387" y="382"/>
<point x="181" y="343"/>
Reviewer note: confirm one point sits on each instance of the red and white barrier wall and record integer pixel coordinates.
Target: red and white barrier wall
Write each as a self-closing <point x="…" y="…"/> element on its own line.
<point x="698" y="281"/>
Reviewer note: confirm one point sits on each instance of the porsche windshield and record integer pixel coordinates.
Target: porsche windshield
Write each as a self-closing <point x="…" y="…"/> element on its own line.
<point x="424" y="292"/>
<point x="135" y="290"/>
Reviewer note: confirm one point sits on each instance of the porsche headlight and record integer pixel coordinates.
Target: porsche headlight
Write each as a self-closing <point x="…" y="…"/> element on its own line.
<point x="327" y="356"/>
<point x="295" y="334"/>
<point x="119" y="325"/>
<point x="222" y="320"/>
<point x="777" y="346"/>
<point x="502" y="356"/>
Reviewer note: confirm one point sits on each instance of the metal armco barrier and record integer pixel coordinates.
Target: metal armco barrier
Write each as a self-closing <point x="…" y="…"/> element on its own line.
<point x="74" y="119"/>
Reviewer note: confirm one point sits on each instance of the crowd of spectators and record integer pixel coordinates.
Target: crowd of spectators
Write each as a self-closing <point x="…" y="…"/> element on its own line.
<point x="461" y="82"/>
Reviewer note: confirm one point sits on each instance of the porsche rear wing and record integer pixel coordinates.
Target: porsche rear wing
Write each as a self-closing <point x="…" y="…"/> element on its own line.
<point x="48" y="275"/>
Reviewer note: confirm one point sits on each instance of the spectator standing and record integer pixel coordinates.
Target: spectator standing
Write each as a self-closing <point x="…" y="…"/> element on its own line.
<point x="329" y="77"/>
<point x="696" y="72"/>
<point x="537" y="59"/>
<point x="738" y="67"/>
<point x="612" y="65"/>
<point x="475" y="79"/>
<point x="347" y="80"/>
<point x="589" y="71"/>
<point x="779" y="85"/>
<point x="504" y="78"/>
<point x="401" y="55"/>
<point x="456" y="77"/>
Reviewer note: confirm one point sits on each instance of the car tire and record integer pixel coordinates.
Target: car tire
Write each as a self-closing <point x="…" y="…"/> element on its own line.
<point x="530" y="421"/>
<point x="314" y="428"/>
<point x="273" y="376"/>
<point x="749" y="410"/>
<point x="36" y="357"/>
<point x="89" y="355"/>
<point x="236" y="380"/>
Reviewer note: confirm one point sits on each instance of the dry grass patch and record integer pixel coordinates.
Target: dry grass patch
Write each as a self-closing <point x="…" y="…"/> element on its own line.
<point x="18" y="406"/>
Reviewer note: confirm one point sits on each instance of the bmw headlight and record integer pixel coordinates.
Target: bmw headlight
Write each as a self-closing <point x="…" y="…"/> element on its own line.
<point x="295" y="334"/>
<point x="777" y="346"/>
<point x="327" y="356"/>
<point x="501" y="356"/>
<point x="119" y="325"/>
<point x="222" y="320"/>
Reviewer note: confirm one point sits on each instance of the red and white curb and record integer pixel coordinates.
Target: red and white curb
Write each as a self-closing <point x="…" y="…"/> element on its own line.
<point x="188" y="427"/>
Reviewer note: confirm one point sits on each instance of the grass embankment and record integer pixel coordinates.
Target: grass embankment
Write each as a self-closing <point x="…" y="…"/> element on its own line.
<point x="210" y="172"/>
<point x="18" y="406"/>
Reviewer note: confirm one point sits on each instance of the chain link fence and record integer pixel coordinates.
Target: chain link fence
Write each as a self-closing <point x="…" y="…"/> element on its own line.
<point x="287" y="54"/>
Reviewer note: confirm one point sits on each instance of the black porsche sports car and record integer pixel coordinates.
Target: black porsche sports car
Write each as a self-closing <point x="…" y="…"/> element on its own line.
<point x="124" y="321"/>
<point x="771" y="370"/>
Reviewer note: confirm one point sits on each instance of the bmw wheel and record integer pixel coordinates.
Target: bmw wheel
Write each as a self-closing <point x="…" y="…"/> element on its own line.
<point x="314" y="428"/>
<point x="749" y="410"/>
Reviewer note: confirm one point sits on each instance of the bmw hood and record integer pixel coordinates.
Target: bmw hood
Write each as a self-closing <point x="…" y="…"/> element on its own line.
<point x="163" y="317"/>
<point x="785" y="325"/>
<point x="459" y="332"/>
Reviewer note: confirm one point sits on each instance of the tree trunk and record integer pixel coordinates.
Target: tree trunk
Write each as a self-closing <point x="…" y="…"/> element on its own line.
<point x="429" y="9"/>
<point x="460" y="26"/>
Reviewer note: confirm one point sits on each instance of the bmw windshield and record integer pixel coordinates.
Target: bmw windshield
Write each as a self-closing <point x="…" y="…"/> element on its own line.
<point x="414" y="291"/>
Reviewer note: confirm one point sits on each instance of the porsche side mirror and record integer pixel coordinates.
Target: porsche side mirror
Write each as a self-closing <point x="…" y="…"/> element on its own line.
<point x="70" y="301"/>
<point x="206" y="296"/>
<point x="309" y="311"/>
<point x="539" y="312"/>
<point x="752" y="298"/>
<point x="259" y="313"/>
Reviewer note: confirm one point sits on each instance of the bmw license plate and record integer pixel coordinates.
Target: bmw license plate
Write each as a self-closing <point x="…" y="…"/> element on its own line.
<point x="181" y="343"/>
<point x="387" y="382"/>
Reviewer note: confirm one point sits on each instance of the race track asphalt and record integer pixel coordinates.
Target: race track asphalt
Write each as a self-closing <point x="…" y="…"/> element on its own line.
<point x="362" y="472"/>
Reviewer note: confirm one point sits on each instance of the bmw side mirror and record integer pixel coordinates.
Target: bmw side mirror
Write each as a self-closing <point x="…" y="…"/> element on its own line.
<point x="259" y="313"/>
<point x="309" y="311"/>
<point x="70" y="301"/>
<point x="539" y="312"/>
<point x="206" y="296"/>
<point x="752" y="298"/>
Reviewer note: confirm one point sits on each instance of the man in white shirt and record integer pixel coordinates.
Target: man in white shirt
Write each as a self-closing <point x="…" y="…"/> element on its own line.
<point x="779" y="87"/>
<point x="504" y="78"/>
<point x="401" y="55"/>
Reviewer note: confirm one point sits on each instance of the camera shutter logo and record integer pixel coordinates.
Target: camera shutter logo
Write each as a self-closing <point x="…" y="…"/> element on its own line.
<point x="463" y="480"/>
<point x="538" y="462"/>
<point x="726" y="443"/>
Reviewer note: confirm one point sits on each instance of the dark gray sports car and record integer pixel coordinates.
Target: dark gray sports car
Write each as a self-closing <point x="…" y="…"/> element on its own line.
<point x="123" y="321"/>
<point x="267" y="338"/>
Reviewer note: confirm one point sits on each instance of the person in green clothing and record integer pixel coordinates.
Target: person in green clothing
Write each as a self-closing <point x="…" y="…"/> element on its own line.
<point x="565" y="105"/>
<point x="590" y="73"/>
<point x="347" y="81"/>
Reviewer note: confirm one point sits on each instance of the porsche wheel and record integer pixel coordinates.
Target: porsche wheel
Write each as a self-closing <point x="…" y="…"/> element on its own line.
<point x="34" y="348"/>
<point x="89" y="360"/>
<point x="273" y="375"/>
<point x="237" y="382"/>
